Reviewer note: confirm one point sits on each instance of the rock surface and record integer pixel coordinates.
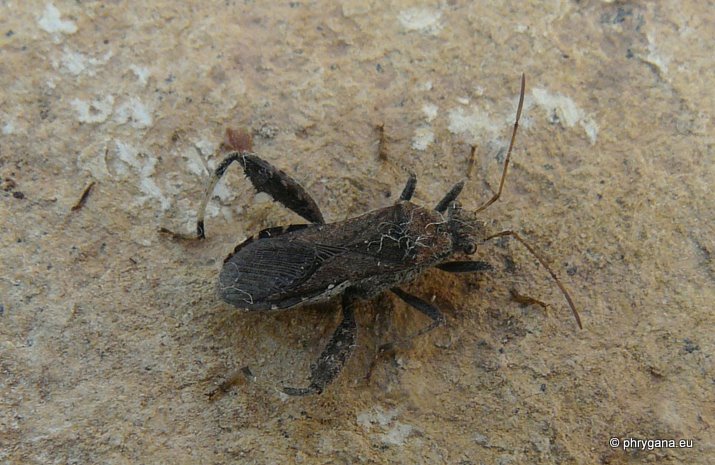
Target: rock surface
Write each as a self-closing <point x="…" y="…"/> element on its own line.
<point x="111" y="335"/>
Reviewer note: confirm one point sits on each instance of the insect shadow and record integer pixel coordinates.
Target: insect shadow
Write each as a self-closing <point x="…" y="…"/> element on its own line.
<point x="359" y="258"/>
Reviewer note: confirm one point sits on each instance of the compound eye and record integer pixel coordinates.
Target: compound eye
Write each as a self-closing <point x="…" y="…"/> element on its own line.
<point x="470" y="248"/>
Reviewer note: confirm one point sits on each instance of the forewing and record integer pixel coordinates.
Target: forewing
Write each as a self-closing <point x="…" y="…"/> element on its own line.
<point x="265" y="269"/>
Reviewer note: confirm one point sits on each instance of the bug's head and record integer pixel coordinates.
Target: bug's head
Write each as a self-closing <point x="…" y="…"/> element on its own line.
<point x="467" y="230"/>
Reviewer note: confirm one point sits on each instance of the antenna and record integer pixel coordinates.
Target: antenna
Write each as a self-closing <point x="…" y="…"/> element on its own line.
<point x="513" y="234"/>
<point x="545" y="265"/>
<point x="511" y="146"/>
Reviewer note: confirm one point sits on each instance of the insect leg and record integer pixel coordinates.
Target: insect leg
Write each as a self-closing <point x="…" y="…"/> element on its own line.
<point x="284" y="189"/>
<point x="464" y="267"/>
<point x="335" y="354"/>
<point x="409" y="188"/>
<point x="449" y="197"/>
<point x="430" y="310"/>
<point x="423" y="307"/>
<point x="265" y="178"/>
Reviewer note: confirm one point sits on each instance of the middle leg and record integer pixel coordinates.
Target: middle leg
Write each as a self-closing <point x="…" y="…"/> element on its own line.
<point x="450" y="197"/>
<point x="409" y="189"/>
<point x="420" y="305"/>
<point x="423" y="307"/>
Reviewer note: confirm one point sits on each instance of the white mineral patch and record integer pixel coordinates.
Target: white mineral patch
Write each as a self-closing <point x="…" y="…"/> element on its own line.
<point x="262" y="197"/>
<point x="8" y="128"/>
<point x="430" y="111"/>
<point x="52" y="22"/>
<point x="355" y="8"/>
<point x="143" y="165"/>
<point x="96" y="111"/>
<point x="93" y="158"/>
<point x="393" y="432"/>
<point x="207" y="147"/>
<point x="226" y="195"/>
<point x="376" y="416"/>
<point x="212" y="211"/>
<point x="397" y="435"/>
<point x="567" y="111"/>
<point x="141" y="73"/>
<point x="654" y="56"/>
<point x="591" y="129"/>
<point x="474" y="122"/>
<point x="127" y="154"/>
<point x="76" y="63"/>
<point x="193" y="161"/>
<point x="73" y="62"/>
<point x="423" y="138"/>
<point x="135" y="113"/>
<point x="421" y="19"/>
<point x="425" y="86"/>
<point x="149" y="187"/>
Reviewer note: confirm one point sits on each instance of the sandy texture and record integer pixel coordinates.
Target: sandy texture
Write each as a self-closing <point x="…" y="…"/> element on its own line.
<point x="111" y="335"/>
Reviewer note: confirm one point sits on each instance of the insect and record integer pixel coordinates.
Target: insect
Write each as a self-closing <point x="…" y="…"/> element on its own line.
<point x="359" y="258"/>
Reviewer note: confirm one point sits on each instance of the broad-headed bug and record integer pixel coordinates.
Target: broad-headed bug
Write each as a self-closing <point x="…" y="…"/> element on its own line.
<point x="285" y="267"/>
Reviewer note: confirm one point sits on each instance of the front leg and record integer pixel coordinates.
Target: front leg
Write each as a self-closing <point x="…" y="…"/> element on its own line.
<point x="335" y="354"/>
<point x="464" y="266"/>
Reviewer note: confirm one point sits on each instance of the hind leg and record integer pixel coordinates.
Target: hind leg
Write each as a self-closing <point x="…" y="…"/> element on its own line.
<point x="265" y="178"/>
<point x="335" y="354"/>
